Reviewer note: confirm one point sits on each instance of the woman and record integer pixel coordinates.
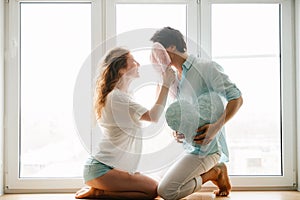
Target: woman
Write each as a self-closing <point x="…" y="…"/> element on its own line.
<point x="110" y="173"/>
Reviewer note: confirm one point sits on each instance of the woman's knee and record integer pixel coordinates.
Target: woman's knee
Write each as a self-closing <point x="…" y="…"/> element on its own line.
<point x="151" y="191"/>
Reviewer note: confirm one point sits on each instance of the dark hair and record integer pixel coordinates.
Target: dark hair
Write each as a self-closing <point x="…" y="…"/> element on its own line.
<point x="168" y="36"/>
<point x="114" y="61"/>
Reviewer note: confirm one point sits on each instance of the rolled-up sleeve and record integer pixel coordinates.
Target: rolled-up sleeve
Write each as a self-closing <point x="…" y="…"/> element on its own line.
<point x="221" y="83"/>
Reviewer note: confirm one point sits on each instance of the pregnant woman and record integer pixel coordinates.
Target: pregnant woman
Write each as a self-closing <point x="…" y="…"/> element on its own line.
<point x="111" y="172"/>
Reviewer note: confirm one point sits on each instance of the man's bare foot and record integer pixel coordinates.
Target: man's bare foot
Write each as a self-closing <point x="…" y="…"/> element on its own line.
<point x="223" y="181"/>
<point x="88" y="193"/>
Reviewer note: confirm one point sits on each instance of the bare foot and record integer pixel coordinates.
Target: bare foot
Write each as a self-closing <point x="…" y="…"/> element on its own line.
<point x="223" y="181"/>
<point x="88" y="193"/>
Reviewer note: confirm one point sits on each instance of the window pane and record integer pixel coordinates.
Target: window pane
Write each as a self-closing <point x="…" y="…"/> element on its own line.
<point x="245" y="41"/>
<point x="131" y="20"/>
<point x="142" y="16"/>
<point x="55" y="40"/>
<point x="245" y="29"/>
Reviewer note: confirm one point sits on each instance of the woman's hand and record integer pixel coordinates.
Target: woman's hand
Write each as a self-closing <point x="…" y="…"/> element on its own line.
<point x="178" y="136"/>
<point x="208" y="133"/>
<point x="168" y="77"/>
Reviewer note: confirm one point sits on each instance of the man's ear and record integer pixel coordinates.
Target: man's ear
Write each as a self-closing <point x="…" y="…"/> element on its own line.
<point x="171" y="48"/>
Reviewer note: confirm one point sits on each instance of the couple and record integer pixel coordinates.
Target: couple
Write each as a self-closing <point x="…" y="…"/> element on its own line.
<point x="110" y="173"/>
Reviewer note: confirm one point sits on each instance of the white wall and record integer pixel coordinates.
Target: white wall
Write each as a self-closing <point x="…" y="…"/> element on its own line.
<point x="297" y="12"/>
<point x="1" y="94"/>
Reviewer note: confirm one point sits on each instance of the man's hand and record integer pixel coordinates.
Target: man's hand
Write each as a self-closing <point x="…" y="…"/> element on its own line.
<point x="206" y="134"/>
<point x="179" y="137"/>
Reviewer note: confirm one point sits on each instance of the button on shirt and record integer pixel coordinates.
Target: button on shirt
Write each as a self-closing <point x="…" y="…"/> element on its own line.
<point x="200" y="76"/>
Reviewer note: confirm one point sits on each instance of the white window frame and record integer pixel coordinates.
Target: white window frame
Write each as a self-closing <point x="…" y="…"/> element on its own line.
<point x="13" y="183"/>
<point x="288" y="95"/>
<point x="103" y="30"/>
<point x="297" y="53"/>
<point x="192" y="22"/>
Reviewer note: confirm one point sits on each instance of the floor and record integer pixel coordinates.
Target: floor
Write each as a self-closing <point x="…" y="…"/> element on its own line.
<point x="235" y="195"/>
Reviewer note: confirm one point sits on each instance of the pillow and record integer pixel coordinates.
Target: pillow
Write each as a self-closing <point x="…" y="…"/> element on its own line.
<point x="210" y="107"/>
<point x="159" y="57"/>
<point x="186" y="118"/>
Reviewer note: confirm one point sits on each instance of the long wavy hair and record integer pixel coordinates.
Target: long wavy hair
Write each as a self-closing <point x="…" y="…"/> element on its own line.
<point x="113" y="62"/>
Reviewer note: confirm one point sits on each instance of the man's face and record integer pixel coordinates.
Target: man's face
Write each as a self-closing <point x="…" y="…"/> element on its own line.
<point x="171" y="52"/>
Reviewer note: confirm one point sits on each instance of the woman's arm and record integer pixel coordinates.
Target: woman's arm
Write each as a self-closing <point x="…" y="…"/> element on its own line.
<point x="155" y="112"/>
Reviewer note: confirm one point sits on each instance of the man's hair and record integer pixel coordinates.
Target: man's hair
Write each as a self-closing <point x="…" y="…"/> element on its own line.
<point x="168" y="36"/>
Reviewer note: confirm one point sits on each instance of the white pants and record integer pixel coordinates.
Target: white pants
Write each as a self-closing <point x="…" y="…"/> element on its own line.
<point x="183" y="178"/>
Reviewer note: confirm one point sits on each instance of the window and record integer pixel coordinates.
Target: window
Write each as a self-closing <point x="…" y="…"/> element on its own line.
<point x="55" y="39"/>
<point x="53" y="48"/>
<point x="249" y="51"/>
<point x="135" y="23"/>
<point x="157" y="138"/>
<point x="254" y="51"/>
<point x="49" y="42"/>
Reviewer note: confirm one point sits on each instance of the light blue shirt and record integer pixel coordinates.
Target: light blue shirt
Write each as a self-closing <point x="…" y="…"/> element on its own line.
<point x="200" y="76"/>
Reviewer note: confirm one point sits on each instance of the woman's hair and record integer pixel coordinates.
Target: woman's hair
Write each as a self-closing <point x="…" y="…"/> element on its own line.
<point x="113" y="62"/>
<point x="168" y="36"/>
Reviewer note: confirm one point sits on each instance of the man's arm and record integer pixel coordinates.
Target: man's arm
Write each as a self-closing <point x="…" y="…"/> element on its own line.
<point x="210" y="130"/>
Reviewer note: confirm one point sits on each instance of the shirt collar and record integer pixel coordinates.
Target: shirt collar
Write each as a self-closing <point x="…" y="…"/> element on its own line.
<point x="188" y="62"/>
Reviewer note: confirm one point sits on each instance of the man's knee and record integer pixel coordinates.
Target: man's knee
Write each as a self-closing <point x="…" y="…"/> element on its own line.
<point x="167" y="192"/>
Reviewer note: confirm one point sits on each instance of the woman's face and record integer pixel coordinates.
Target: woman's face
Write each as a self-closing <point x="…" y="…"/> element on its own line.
<point x="132" y="67"/>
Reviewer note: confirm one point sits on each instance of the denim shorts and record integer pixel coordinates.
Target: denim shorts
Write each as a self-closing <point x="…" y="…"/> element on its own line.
<point x="93" y="169"/>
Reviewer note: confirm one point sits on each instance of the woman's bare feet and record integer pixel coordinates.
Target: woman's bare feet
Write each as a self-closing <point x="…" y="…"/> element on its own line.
<point x="88" y="193"/>
<point x="223" y="181"/>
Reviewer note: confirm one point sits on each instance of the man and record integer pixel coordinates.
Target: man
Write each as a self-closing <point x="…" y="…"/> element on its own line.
<point x="197" y="76"/>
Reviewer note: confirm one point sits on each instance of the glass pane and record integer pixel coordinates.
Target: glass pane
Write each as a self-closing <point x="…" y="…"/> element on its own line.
<point x="245" y="29"/>
<point x="136" y="23"/>
<point x="246" y="42"/>
<point x="143" y="16"/>
<point x="55" y="40"/>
